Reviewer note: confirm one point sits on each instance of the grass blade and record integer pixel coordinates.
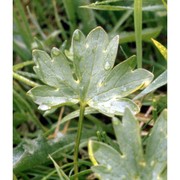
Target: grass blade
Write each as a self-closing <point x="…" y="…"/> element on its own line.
<point x="124" y="17"/>
<point x="86" y="16"/>
<point x="107" y="7"/>
<point x="24" y="80"/>
<point x="36" y="24"/>
<point x="21" y="65"/>
<point x="138" y="30"/>
<point x="70" y="11"/>
<point x="22" y="14"/>
<point x="161" y="48"/>
<point x="60" y="172"/>
<point x="147" y="34"/>
<point x="158" y="82"/>
<point x="58" y="21"/>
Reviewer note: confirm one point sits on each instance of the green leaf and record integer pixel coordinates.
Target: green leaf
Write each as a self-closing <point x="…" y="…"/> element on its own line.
<point x="111" y="163"/>
<point x="129" y="140"/>
<point x="158" y="82"/>
<point x="107" y="7"/>
<point x="89" y="77"/>
<point x="156" y="150"/>
<point x="138" y="30"/>
<point x="60" y="172"/>
<point x="31" y="153"/>
<point x="103" y="6"/>
<point x="161" y="48"/>
<point x="48" y="97"/>
<point x="132" y="162"/>
<point x="75" y="114"/>
<point x="147" y="34"/>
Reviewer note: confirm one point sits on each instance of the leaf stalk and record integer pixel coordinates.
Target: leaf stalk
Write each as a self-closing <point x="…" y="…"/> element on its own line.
<point x="78" y="138"/>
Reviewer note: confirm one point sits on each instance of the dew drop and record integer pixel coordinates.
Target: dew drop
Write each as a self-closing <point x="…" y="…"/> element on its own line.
<point x="55" y="51"/>
<point x="107" y="66"/>
<point x="43" y="107"/>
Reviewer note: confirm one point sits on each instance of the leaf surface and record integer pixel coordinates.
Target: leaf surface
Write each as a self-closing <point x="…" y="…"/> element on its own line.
<point x="31" y="153"/>
<point x="87" y="75"/>
<point x="156" y="150"/>
<point x="132" y="162"/>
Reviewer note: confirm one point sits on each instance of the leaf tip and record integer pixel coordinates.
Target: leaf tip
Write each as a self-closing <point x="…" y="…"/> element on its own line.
<point x="55" y="51"/>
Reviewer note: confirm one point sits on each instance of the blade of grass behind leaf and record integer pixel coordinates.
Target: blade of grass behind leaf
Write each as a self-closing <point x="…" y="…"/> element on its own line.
<point x="165" y="4"/>
<point x="107" y="7"/>
<point x="147" y="34"/>
<point x="138" y="30"/>
<point x="123" y="18"/>
<point x="36" y="24"/>
<point x="58" y="20"/>
<point x="60" y="172"/>
<point x="70" y="11"/>
<point x="26" y="26"/>
<point x="158" y="82"/>
<point x="161" y="48"/>
<point x="86" y="16"/>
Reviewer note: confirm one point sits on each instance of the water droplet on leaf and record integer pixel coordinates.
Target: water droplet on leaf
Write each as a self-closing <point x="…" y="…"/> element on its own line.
<point x="107" y="66"/>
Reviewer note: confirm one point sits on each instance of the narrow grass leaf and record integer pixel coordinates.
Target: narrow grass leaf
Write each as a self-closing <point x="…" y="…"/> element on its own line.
<point x="107" y="7"/>
<point x="161" y="48"/>
<point x="158" y="82"/>
<point x="25" y="25"/>
<point x="147" y="34"/>
<point x="85" y="15"/>
<point x="61" y="174"/>
<point x="138" y="30"/>
<point x="70" y="11"/>
<point x="75" y="114"/>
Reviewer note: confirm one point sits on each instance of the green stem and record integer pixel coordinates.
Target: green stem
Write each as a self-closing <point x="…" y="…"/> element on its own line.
<point x="78" y="138"/>
<point x="24" y="80"/>
<point x="138" y="30"/>
<point x="21" y="65"/>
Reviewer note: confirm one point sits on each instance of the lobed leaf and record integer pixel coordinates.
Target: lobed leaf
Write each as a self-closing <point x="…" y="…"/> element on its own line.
<point x="109" y="164"/>
<point x="129" y="140"/>
<point x="132" y="162"/>
<point x="156" y="150"/>
<point x="88" y="75"/>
